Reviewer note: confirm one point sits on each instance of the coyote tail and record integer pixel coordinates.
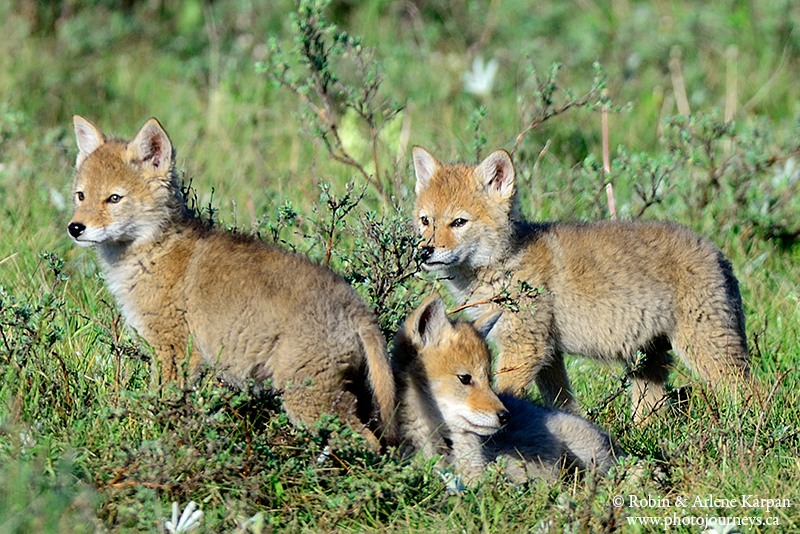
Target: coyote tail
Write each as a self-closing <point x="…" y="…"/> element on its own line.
<point x="381" y="378"/>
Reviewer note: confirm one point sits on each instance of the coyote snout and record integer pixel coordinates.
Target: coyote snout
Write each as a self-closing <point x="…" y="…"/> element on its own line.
<point x="425" y="253"/>
<point x="75" y="229"/>
<point x="470" y="406"/>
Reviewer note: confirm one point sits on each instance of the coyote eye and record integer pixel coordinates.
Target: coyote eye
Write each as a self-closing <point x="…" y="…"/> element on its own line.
<point x="458" y="223"/>
<point x="424" y="221"/>
<point x="465" y="379"/>
<point x="79" y="195"/>
<point x="114" y="199"/>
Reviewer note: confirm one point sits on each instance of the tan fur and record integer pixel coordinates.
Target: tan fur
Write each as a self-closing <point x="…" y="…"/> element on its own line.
<point x="248" y="309"/>
<point x="447" y="407"/>
<point x="610" y="289"/>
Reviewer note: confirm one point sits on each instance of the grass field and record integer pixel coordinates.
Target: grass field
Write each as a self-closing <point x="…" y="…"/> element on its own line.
<point x="703" y="129"/>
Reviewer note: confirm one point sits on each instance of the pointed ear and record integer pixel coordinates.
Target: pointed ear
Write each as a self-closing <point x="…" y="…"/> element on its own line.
<point x="151" y="148"/>
<point x="485" y="323"/>
<point x="496" y="174"/>
<point x="424" y="167"/>
<point x="430" y="323"/>
<point x="88" y="137"/>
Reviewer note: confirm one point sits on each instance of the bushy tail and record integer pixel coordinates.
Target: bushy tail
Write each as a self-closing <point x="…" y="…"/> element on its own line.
<point x="381" y="379"/>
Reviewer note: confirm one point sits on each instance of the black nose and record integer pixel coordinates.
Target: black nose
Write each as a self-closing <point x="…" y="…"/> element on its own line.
<point x="504" y="417"/>
<point x="425" y="253"/>
<point x="76" y="229"/>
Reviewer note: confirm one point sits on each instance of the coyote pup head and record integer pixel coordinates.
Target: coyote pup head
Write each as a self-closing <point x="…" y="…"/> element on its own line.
<point x="123" y="193"/>
<point x="449" y="366"/>
<point x="463" y="212"/>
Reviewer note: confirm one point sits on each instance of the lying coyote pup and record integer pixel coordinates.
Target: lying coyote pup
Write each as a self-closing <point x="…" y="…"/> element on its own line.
<point x="250" y="310"/>
<point x="610" y="288"/>
<point x="447" y="407"/>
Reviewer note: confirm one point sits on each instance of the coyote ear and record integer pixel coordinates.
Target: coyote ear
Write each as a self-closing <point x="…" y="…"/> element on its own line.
<point x="424" y="167"/>
<point x="485" y="323"/>
<point x="151" y="148"/>
<point x="88" y="137"/>
<point x="496" y="174"/>
<point x="430" y="323"/>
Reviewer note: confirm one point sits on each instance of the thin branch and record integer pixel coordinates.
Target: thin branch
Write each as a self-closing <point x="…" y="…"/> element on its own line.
<point x="604" y="128"/>
<point x="473" y="304"/>
<point x="546" y="115"/>
<point x="66" y="377"/>
<point x="612" y="205"/>
<point x="507" y="369"/>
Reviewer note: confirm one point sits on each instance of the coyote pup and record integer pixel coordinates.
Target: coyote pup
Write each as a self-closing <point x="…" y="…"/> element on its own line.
<point x="610" y="289"/>
<point x="250" y="310"/>
<point x="447" y="407"/>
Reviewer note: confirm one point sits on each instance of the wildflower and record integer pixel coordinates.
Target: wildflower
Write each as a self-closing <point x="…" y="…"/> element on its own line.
<point x="722" y="529"/>
<point x="190" y="519"/>
<point x="324" y="455"/>
<point x="452" y="481"/>
<point x="786" y="175"/>
<point x="480" y="79"/>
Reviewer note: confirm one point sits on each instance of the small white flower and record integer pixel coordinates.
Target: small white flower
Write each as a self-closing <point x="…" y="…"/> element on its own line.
<point x="254" y="525"/>
<point x="57" y="199"/>
<point x="786" y="175"/>
<point x="324" y="455"/>
<point x="480" y="79"/>
<point x="26" y="440"/>
<point x="452" y="482"/>
<point x="722" y="529"/>
<point x="190" y="519"/>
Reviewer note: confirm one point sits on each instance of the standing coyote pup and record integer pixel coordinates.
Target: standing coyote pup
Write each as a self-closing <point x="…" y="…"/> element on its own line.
<point x="610" y="289"/>
<point x="250" y="310"/>
<point x="446" y="406"/>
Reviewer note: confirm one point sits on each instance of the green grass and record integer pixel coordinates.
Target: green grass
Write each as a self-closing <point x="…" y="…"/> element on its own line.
<point x="86" y="444"/>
